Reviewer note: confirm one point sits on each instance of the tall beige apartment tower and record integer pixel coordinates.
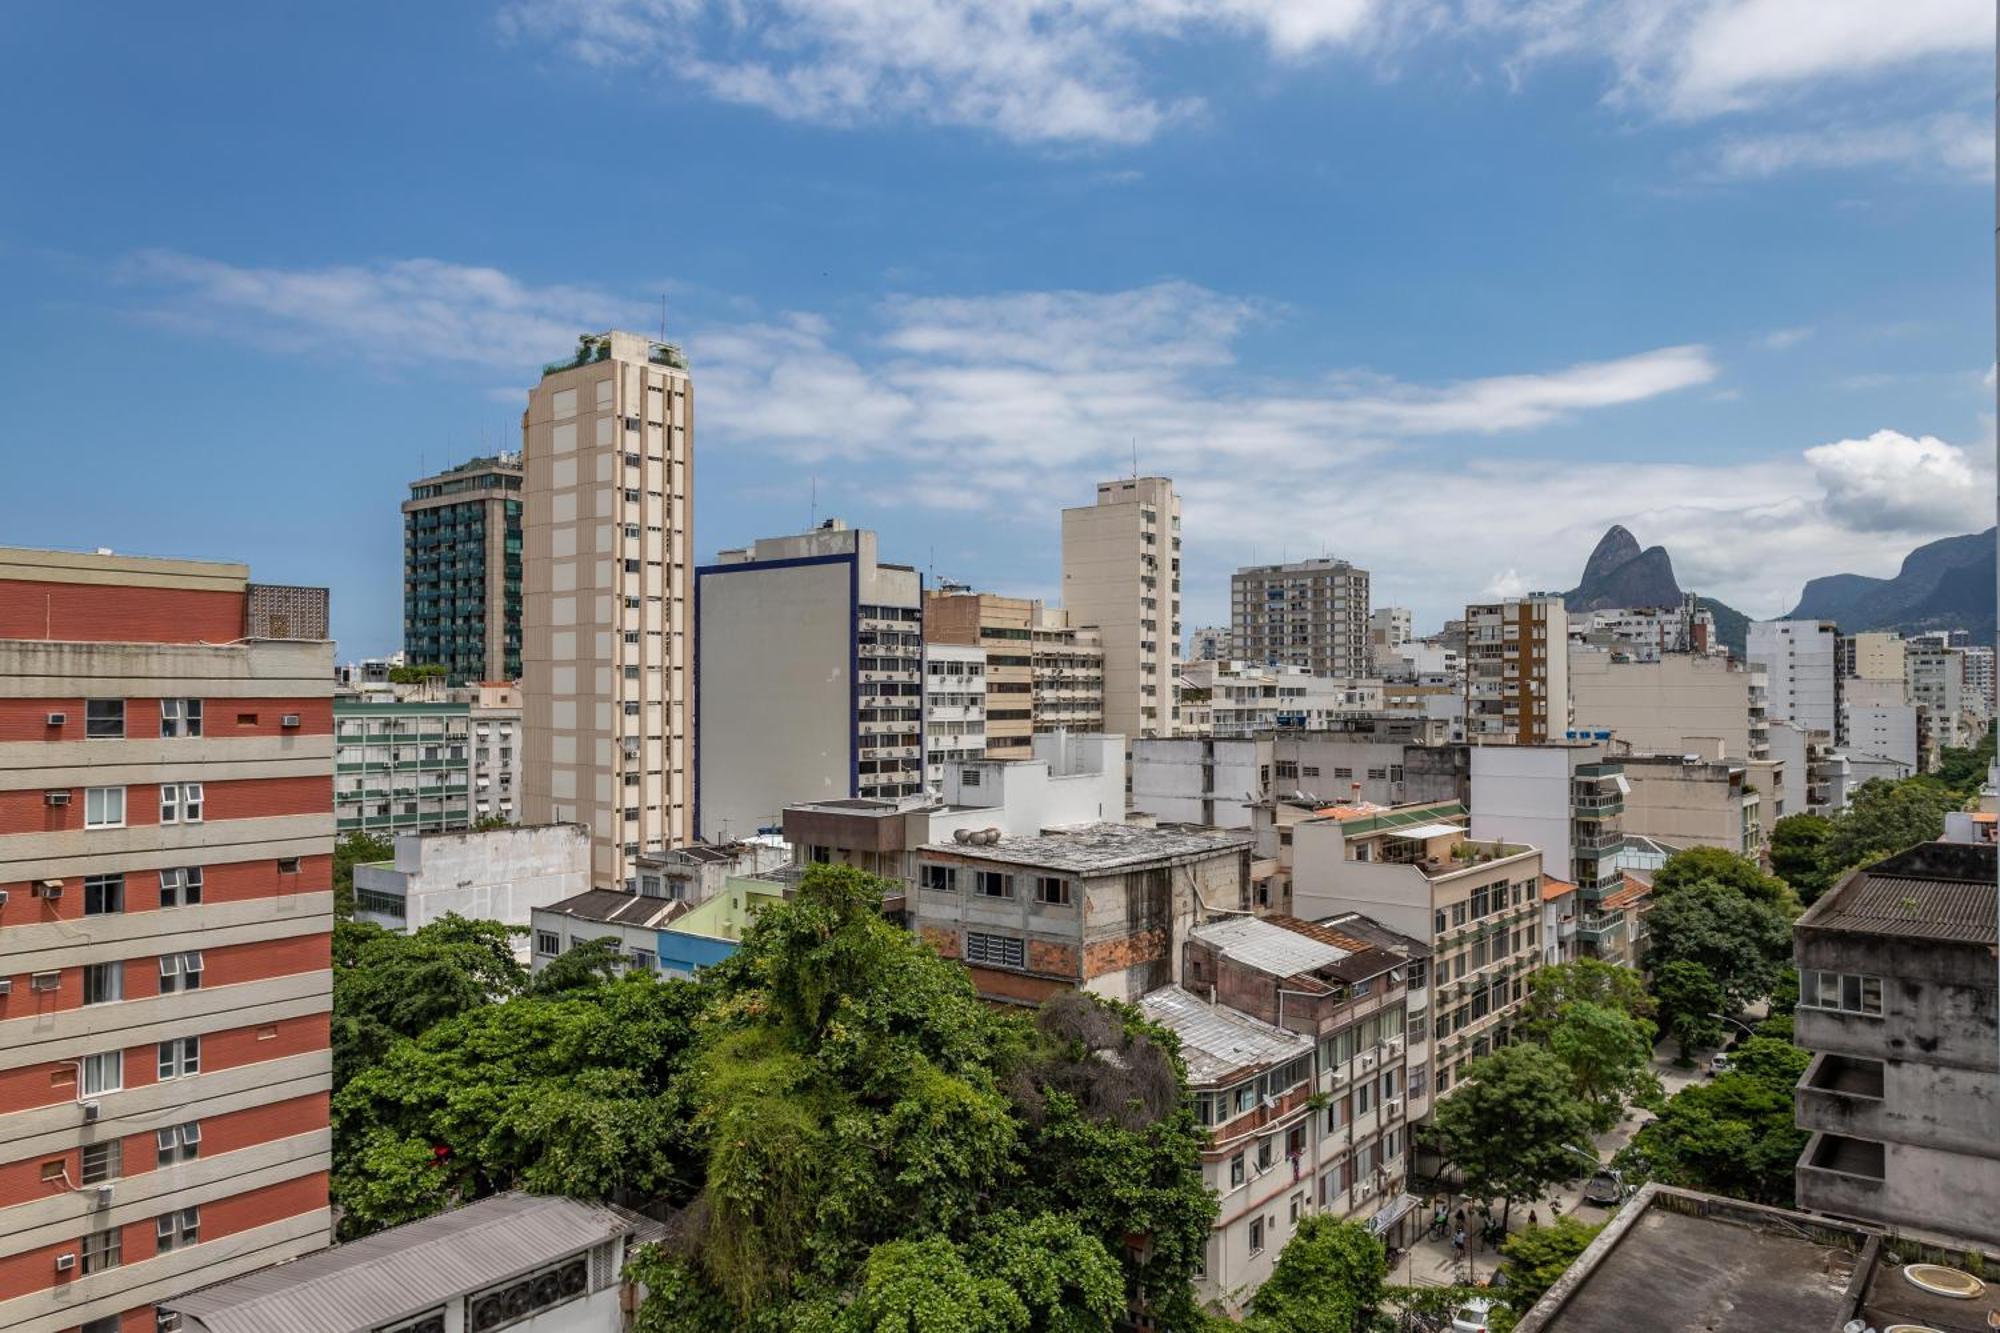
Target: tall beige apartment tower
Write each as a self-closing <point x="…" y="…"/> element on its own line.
<point x="1309" y="613"/>
<point x="1517" y="671"/>
<point x="606" y="654"/>
<point x="1121" y="573"/>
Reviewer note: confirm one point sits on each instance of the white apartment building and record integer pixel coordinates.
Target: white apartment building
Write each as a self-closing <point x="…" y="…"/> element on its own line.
<point x="1979" y="680"/>
<point x="1800" y="659"/>
<point x="1210" y="643"/>
<point x="489" y="875"/>
<point x="954" y="708"/>
<point x="1308" y="613"/>
<point x="1389" y="629"/>
<point x="496" y="752"/>
<point x="1652" y="632"/>
<point x="1936" y="680"/>
<point x="811" y="678"/>
<point x="607" y="443"/>
<point x="1245" y="698"/>
<point x="1121" y="560"/>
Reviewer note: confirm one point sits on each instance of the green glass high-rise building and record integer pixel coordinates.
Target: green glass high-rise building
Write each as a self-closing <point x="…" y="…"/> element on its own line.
<point x="462" y="571"/>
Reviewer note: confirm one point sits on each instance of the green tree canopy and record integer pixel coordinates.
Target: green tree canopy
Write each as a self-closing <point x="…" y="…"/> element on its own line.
<point x="1584" y="980"/>
<point x="1512" y="1126"/>
<point x="1609" y="1056"/>
<point x="1327" y="1280"/>
<point x="1539" y="1255"/>
<point x="1885" y="817"/>
<point x="1696" y="865"/>
<point x="1690" y="1004"/>
<point x="388" y="986"/>
<point x="1798" y="853"/>
<point x="561" y="1095"/>
<point x="1733" y="1135"/>
<point x="1741" y="942"/>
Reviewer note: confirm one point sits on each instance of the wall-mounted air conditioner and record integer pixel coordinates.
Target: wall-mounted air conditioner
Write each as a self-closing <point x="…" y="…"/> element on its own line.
<point x="65" y="1262"/>
<point x="56" y="797"/>
<point x="57" y="719"/>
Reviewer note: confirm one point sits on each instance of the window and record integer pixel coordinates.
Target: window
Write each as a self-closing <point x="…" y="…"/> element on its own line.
<point x="1419" y="1080"/>
<point x="177" y="1230"/>
<point x="103" y="982"/>
<point x="547" y="943"/>
<point x="1236" y="1171"/>
<point x="178" y="1143"/>
<point x="180" y="971"/>
<point x="104" y="719"/>
<point x="180" y="802"/>
<point x="1256" y="1235"/>
<point x="103" y="894"/>
<point x="1364" y="1098"/>
<point x="942" y="878"/>
<point x="993" y="884"/>
<point x="1841" y="992"/>
<point x="1298" y="1207"/>
<point x="180" y="717"/>
<point x="102" y="1073"/>
<point x="104" y="807"/>
<point x="999" y="950"/>
<point x="180" y="887"/>
<point x="1052" y="889"/>
<point x="1265" y="1153"/>
<point x="102" y="1250"/>
<point x="101" y="1161"/>
<point x="180" y="1057"/>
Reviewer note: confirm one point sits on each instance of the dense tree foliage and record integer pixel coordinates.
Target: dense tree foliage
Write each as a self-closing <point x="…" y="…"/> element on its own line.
<point x="1696" y="865"/>
<point x="1609" y="1056"/>
<point x="1512" y="1126"/>
<point x="388" y="986"/>
<point x="1885" y="817"/>
<point x="1741" y="942"/>
<point x="1733" y="1135"/>
<point x="1537" y="1256"/>
<point x="1583" y="980"/>
<point x="860" y="1119"/>
<point x="1798" y="854"/>
<point x="1328" y="1279"/>
<point x="1691" y="1004"/>
<point x="565" y="1094"/>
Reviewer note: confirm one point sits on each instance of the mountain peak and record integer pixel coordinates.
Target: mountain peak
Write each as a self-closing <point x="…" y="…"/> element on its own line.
<point x="1614" y="548"/>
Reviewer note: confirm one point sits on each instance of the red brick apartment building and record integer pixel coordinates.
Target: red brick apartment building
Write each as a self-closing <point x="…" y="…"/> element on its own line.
<point x="166" y="826"/>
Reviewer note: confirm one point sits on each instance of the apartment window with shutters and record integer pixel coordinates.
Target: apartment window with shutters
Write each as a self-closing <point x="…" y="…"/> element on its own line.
<point x="180" y="887"/>
<point x="180" y="972"/>
<point x="178" y="1143"/>
<point x="177" y="1230"/>
<point x="180" y="717"/>
<point x="103" y="982"/>
<point x="104" y="719"/>
<point x="102" y="1161"/>
<point x="180" y="802"/>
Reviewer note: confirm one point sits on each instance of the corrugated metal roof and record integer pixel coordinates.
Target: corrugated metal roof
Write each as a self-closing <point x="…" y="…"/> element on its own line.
<point x="1219" y="1043"/>
<point x="614" y="908"/>
<point x="1934" y="909"/>
<point x="1268" y="948"/>
<point x="408" y="1269"/>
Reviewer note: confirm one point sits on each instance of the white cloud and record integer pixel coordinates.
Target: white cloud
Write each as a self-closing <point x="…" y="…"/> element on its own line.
<point x="1891" y="482"/>
<point x="1780" y="340"/>
<point x="1058" y="71"/>
<point x="389" y="313"/>
<point x="1952" y="143"/>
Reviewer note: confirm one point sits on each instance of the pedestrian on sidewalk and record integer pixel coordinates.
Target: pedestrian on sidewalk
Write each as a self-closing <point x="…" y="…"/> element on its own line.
<point x="1531" y="1218"/>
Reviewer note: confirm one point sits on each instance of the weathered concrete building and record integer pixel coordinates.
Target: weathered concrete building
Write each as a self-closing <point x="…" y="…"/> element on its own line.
<point x="489" y="875"/>
<point x="1897" y="1002"/>
<point x="1690" y="801"/>
<point x="1099" y="908"/>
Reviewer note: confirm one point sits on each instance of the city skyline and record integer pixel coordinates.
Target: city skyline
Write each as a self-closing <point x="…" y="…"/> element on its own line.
<point x="1520" y="287"/>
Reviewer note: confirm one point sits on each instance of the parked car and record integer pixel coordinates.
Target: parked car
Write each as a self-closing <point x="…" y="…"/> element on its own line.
<point x="1720" y="1063"/>
<point x="1606" y="1187"/>
<point x="1471" y="1317"/>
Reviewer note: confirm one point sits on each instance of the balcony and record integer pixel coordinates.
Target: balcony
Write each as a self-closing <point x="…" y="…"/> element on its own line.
<point x="1837" y="1174"/>
<point x="1597" y="929"/>
<point x="1843" y="1094"/>
<point x="1597" y="840"/>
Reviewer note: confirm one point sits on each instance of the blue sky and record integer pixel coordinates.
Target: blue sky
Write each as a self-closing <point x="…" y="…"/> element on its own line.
<point x="1440" y="286"/>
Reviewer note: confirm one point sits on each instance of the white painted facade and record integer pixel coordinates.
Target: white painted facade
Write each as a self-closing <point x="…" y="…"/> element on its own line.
<point x="954" y="708"/>
<point x="1521" y="794"/>
<point x="1200" y="780"/>
<point x="496" y="753"/>
<point x="1072" y="780"/>
<point x="491" y="875"/>
<point x="1799" y="657"/>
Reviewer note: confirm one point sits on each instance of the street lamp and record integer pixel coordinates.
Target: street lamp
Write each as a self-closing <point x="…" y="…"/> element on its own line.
<point x="1745" y="1028"/>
